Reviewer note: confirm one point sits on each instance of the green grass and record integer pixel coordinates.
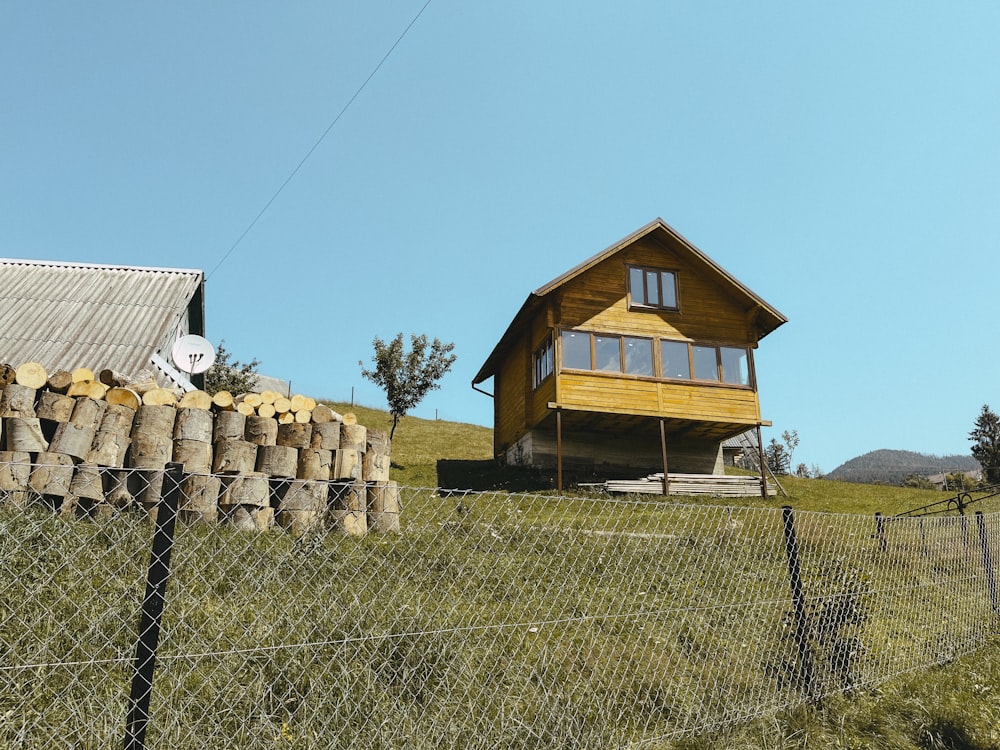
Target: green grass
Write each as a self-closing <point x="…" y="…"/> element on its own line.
<point x="649" y="614"/>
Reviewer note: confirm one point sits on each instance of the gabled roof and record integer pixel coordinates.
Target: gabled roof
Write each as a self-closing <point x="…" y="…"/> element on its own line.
<point x="768" y="318"/>
<point x="69" y="315"/>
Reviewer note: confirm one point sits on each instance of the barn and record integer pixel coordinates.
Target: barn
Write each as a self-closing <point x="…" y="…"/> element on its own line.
<point x="639" y="359"/>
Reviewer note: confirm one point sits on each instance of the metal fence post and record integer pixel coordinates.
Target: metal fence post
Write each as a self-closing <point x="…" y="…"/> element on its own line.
<point x="798" y="603"/>
<point x="880" y="531"/>
<point x="148" y="636"/>
<point x="984" y="542"/>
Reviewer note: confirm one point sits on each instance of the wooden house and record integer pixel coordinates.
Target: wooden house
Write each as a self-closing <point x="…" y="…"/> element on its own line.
<point x="638" y="359"/>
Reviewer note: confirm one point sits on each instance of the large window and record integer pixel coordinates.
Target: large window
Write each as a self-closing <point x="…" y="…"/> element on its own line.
<point x="576" y="350"/>
<point x="652" y="287"/>
<point x="674" y="360"/>
<point x="607" y="353"/>
<point x="638" y="356"/>
<point x="635" y="355"/>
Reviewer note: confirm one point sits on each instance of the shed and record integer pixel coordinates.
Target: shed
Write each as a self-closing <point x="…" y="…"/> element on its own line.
<point x="69" y="315"/>
<point x="638" y="357"/>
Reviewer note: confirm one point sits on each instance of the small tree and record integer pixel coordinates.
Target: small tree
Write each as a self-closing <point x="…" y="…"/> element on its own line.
<point x="986" y="443"/>
<point x="232" y="376"/>
<point x="406" y="377"/>
<point x="791" y="440"/>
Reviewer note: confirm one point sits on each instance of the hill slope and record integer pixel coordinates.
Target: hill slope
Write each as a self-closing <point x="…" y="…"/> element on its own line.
<point x="893" y="466"/>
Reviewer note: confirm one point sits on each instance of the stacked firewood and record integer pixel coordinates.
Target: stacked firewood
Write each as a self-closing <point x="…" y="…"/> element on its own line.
<point x="89" y="445"/>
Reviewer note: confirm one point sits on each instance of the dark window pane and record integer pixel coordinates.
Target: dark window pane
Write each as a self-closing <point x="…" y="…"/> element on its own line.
<point x="607" y="353"/>
<point x="705" y="365"/>
<point x="635" y="286"/>
<point x="638" y="356"/>
<point x="652" y="287"/>
<point x="674" y="359"/>
<point x="668" y="285"/>
<point x="735" y="368"/>
<point x="576" y="350"/>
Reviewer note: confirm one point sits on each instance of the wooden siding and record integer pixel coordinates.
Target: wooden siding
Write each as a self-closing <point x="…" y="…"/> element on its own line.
<point x="614" y="395"/>
<point x="598" y="301"/>
<point x="509" y="403"/>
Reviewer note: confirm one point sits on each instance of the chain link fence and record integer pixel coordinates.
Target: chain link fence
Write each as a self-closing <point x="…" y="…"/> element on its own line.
<point x="478" y="620"/>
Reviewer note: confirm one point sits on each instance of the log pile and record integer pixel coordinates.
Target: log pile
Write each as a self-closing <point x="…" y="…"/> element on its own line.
<point x="90" y="445"/>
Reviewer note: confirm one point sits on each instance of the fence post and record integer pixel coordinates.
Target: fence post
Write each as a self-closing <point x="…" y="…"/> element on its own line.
<point x="880" y="531"/>
<point x="148" y="636"/>
<point x="798" y="603"/>
<point x="984" y="542"/>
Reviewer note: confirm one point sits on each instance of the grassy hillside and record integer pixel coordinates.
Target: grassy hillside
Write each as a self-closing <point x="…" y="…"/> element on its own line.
<point x="420" y="444"/>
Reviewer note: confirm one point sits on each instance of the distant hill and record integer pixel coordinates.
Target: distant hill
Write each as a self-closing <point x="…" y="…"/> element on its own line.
<point x="892" y="467"/>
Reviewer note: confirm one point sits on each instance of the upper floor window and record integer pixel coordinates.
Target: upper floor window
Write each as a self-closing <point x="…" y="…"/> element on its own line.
<point x="652" y="287"/>
<point x="653" y="358"/>
<point x="544" y="361"/>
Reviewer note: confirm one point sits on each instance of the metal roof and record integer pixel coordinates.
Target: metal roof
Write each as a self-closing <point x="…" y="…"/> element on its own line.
<point x="69" y="315"/>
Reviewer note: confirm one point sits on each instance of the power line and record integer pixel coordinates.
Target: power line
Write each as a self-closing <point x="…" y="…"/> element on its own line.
<point x="318" y="141"/>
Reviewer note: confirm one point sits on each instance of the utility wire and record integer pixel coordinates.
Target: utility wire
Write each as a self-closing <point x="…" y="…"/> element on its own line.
<point x="319" y="141"/>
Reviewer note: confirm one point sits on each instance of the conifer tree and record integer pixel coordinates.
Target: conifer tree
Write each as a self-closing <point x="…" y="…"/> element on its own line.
<point x="986" y="443"/>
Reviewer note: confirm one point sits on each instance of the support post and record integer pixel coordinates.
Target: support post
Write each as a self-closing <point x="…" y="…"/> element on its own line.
<point x="151" y="616"/>
<point x="559" y="477"/>
<point x="763" y="464"/>
<point x="984" y="543"/>
<point x="798" y="604"/>
<point x="663" y="448"/>
<point x="880" y="532"/>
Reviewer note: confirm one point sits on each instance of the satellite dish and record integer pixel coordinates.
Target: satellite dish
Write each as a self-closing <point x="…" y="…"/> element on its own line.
<point x="193" y="354"/>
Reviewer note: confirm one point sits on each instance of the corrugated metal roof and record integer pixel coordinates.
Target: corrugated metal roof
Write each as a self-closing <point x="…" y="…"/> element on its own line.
<point x="69" y="315"/>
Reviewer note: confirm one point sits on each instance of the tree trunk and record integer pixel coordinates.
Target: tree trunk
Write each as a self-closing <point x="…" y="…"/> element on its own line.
<point x="193" y="423"/>
<point x="315" y="464"/>
<point x="54" y="407"/>
<point x="123" y="397"/>
<point x="302" y="508"/>
<point x="294" y="435"/>
<point x="89" y="412"/>
<point x="17" y="401"/>
<point x="261" y="431"/>
<point x="113" y="438"/>
<point x="73" y="440"/>
<point x="25" y="434"/>
<point x="90" y="388"/>
<point x="200" y="499"/>
<point x="31" y="375"/>
<point x="325" y="436"/>
<point x="277" y="461"/>
<point x="15" y="468"/>
<point x="229" y="425"/>
<point x="234" y="457"/>
<point x="383" y="507"/>
<point x="376" y="460"/>
<point x="348" y="513"/>
<point x="196" y="400"/>
<point x="60" y="381"/>
<point x="196" y="455"/>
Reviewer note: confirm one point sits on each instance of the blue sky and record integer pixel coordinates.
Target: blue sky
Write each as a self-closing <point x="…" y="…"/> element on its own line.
<point x="842" y="160"/>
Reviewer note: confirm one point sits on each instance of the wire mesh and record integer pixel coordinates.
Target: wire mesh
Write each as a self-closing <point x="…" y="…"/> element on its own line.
<point x="483" y="620"/>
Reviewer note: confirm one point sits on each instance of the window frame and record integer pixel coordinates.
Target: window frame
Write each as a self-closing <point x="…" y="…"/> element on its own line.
<point x="656" y="348"/>
<point x="644" y="304"/>
<point x="543" y="362"/>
